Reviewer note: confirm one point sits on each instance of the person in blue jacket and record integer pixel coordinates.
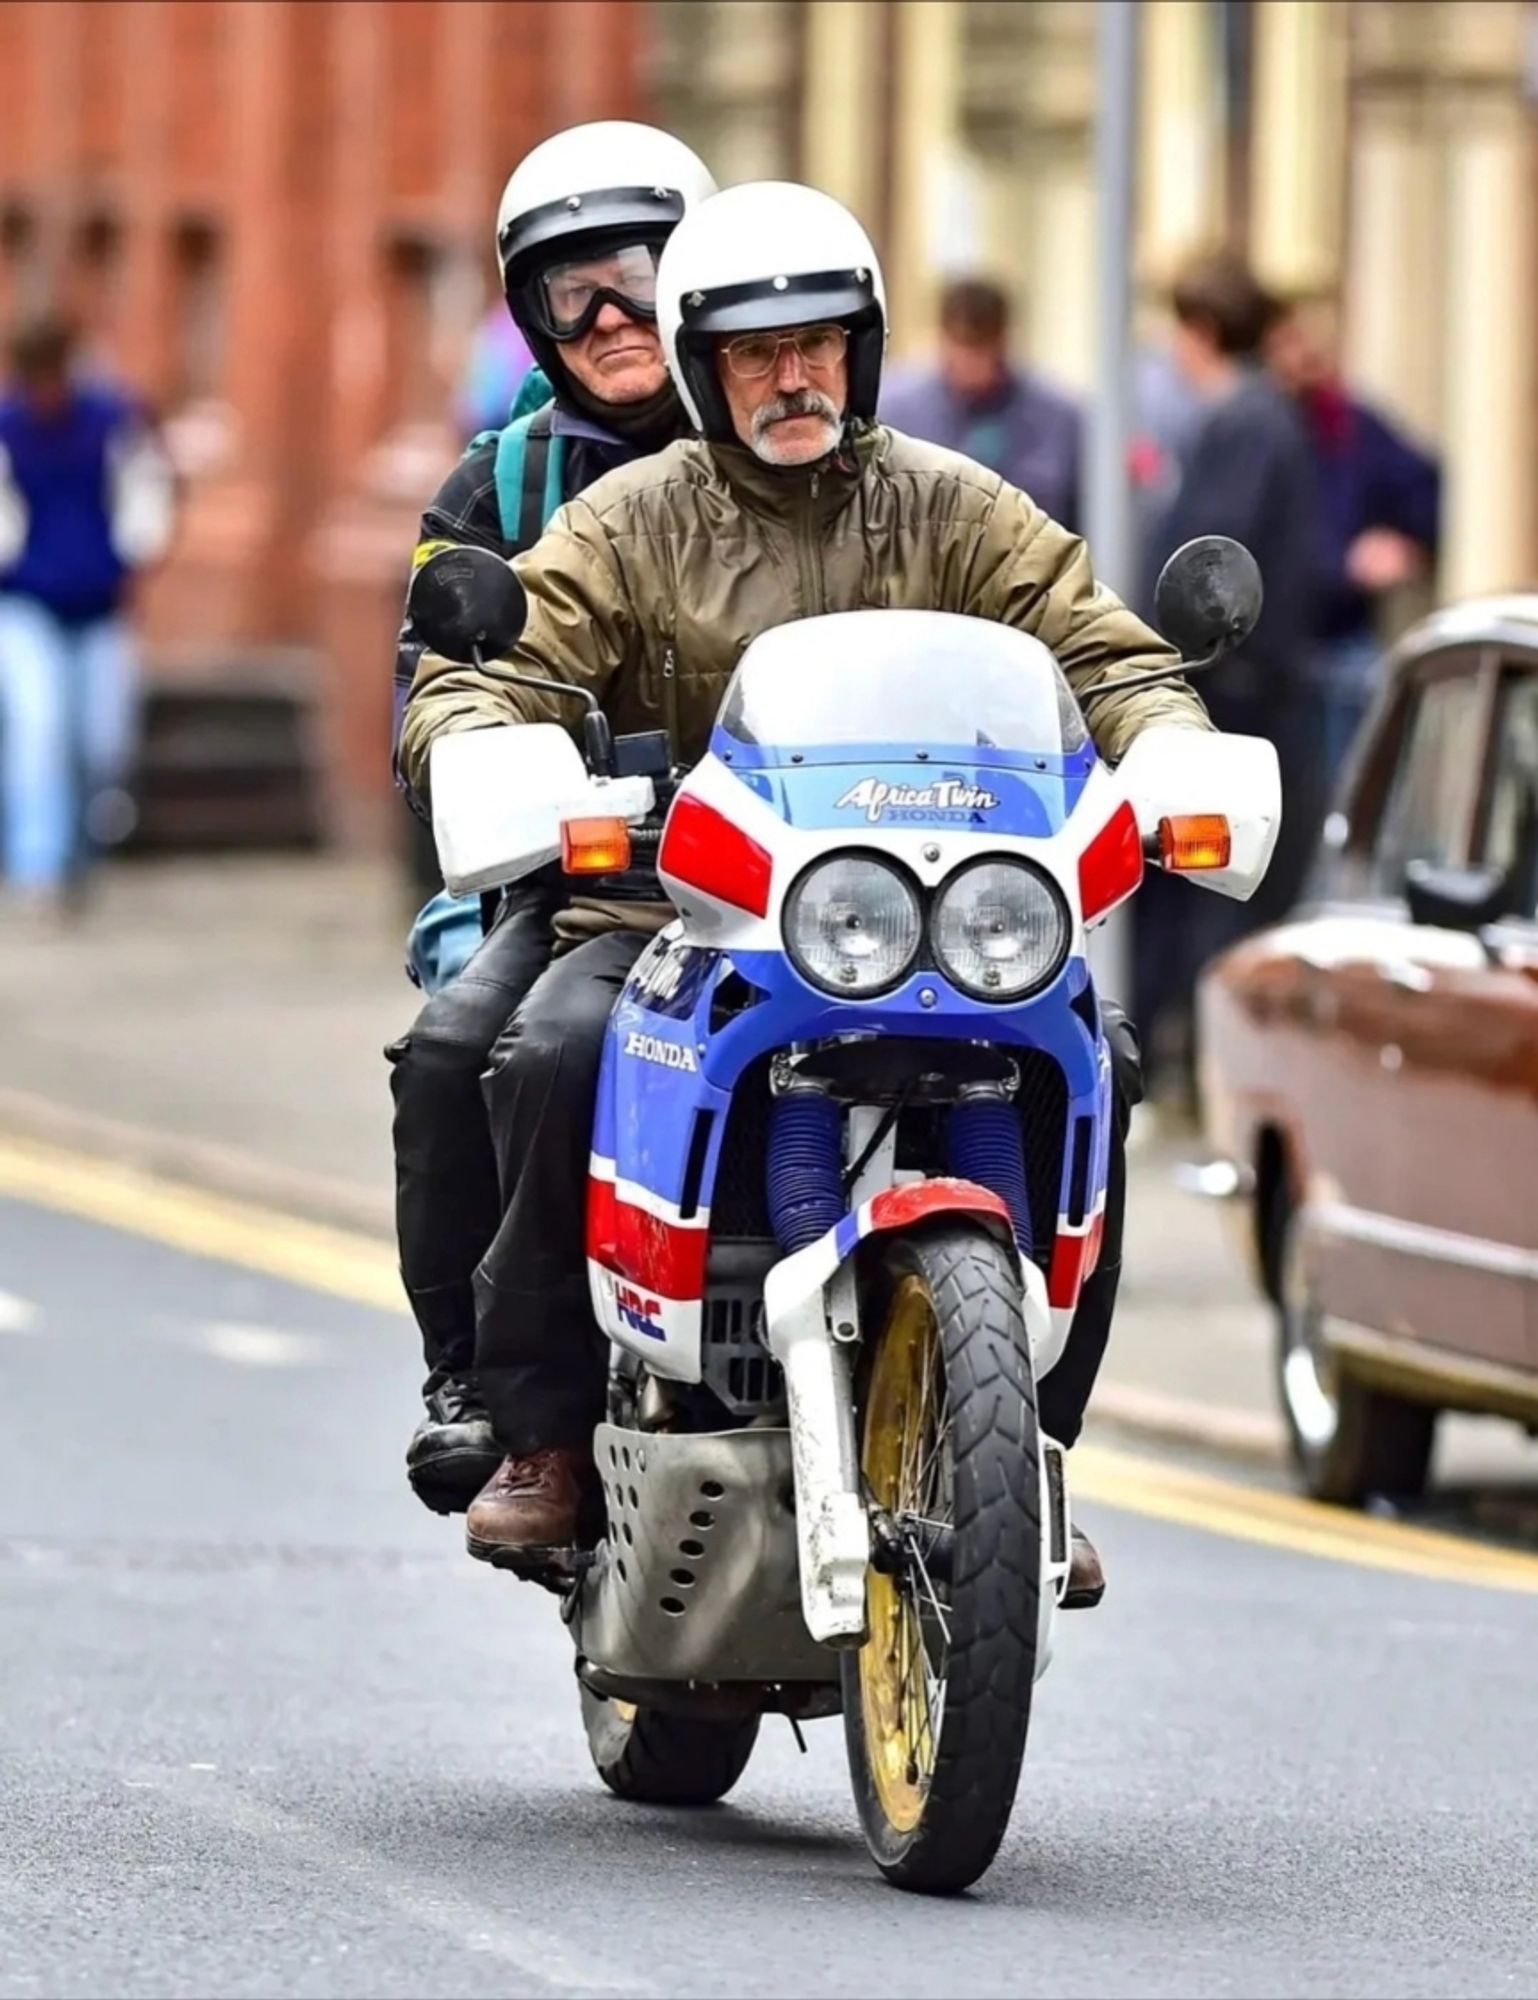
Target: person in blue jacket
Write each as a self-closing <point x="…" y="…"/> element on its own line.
<point x="1377" y="523"/>
<point x="581" y="226"/>
<point x="86" y="500"/>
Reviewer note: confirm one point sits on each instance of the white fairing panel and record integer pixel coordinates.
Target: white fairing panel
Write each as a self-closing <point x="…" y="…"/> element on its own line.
<point x="500" y="795"/>
<point x="1170" y="770"/>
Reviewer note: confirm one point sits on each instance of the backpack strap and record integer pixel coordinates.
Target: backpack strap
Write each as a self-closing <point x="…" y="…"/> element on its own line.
<point x="530" y="474"/>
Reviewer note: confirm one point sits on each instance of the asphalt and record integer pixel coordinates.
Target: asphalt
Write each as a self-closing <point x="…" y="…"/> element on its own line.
<point x="265" y="1731"/>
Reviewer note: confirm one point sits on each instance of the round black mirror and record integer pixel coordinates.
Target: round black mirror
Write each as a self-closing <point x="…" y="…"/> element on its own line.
<point x="463" y="601"/>
<point x="1208" y="597"/>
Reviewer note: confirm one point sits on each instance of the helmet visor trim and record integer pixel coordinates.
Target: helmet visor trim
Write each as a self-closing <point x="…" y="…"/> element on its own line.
<point x="767" y="303"/>
<point x="651" y="212"/>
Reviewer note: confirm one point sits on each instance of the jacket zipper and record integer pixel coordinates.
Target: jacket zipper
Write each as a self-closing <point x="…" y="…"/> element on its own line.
<point x="670" y="699"/>
<point x="807" y="552"/>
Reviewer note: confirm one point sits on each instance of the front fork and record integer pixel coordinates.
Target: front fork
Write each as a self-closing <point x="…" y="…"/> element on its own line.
<point x="805" y="1312"/>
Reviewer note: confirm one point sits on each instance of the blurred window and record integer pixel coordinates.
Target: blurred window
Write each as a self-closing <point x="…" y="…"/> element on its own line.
<point x="199" y="327"/>
<point x="22" y="274"/>
<point x="423" y="286"/>
<point x="97" y="275"/>
<point x="1511" y="825"/>
<point x="1431" y="800"/>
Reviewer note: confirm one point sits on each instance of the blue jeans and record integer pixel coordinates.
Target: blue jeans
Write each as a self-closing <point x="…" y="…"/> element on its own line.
<point x="1344" y="677"/>
<point x="445" y="937"/>
<point x="68" y="710"/>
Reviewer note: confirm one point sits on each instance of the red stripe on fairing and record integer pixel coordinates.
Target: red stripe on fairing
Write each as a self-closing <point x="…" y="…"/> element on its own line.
<point x="665" y="1257"/>
<point x="1075" y="1255"/>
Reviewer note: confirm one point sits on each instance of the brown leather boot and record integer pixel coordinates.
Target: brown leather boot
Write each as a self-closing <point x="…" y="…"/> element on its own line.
<point x="531" y="1509"/>
<point x="1086" y="1577"/>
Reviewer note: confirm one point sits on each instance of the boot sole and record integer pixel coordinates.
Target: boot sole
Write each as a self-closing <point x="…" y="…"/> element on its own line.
<point x="447" y="1483"/>
<point x="555" y="1558"/>
<point x="1082" y="1600"/>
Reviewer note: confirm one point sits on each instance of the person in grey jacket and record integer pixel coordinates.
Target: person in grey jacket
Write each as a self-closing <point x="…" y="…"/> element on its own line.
<point x="1246" y="469"/>
<point x="975" y="400"/>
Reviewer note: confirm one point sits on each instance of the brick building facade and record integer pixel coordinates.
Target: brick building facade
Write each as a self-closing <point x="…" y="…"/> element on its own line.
<point x="275" y="217"/>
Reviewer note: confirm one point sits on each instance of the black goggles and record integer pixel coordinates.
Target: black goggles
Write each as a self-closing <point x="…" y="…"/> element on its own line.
<point x="565" y="299"/>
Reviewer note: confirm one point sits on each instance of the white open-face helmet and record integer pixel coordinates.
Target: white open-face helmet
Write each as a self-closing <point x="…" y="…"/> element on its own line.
<point x="595" y="189"/>
<point x="763" y="255"/>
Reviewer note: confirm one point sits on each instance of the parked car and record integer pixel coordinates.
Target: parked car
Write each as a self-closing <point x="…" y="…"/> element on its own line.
<point x="1370" y="1071"/>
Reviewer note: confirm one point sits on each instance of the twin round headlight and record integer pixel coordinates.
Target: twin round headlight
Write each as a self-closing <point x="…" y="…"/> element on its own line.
<point x="998" y="929"/>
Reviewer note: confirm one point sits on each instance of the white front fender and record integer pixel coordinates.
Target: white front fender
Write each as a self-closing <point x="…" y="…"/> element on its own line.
<point x="832" y="1527"/>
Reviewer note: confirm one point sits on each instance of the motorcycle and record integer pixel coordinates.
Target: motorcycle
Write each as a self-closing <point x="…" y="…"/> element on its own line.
<point x="849" y="1169"/>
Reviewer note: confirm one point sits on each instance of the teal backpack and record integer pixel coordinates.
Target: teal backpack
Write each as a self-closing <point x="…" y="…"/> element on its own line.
<point x="531" y="472"/>
<point x="531" y="463"/>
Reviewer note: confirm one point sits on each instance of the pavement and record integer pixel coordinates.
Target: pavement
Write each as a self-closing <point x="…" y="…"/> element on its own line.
<point x="222" y="1022"/>
<point x="267" y="1732"/>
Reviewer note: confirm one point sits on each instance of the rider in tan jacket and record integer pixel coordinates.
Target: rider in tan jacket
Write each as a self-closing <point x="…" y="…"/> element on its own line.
<point x="646" y="589"/>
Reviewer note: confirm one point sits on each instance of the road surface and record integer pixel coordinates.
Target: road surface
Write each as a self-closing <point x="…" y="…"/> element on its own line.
<point x="265" y="1730"/>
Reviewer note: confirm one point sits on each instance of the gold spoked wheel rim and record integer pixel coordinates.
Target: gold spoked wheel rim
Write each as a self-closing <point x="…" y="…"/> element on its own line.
<point x="905" y="1460"/>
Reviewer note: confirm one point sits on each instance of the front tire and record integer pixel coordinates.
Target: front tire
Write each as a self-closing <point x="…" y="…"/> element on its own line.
<point x="937" y="1703"/>
<point x="1348" y="1441"/>
<point x="656" y="1758"/>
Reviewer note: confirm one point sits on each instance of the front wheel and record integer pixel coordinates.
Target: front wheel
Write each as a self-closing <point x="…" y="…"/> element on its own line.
<point x="938" y="1701"/>
<point x="654" y="1757"/>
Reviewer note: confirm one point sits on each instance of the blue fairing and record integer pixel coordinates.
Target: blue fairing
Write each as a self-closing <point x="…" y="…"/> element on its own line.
<point x="668" y="1077"/>
<point x="650" y="1096"/>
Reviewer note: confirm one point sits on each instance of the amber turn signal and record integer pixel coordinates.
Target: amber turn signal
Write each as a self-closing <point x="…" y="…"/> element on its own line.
<point x="594" y="846"/>
<point x="1189" y="842"/>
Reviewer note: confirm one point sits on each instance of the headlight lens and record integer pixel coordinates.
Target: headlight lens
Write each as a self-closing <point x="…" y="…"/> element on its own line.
<point x="853" y="925"/>
<point x="1000" y="930"/>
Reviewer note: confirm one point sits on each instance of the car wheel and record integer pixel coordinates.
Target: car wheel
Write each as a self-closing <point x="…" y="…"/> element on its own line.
<point x="1349" y="1441"/>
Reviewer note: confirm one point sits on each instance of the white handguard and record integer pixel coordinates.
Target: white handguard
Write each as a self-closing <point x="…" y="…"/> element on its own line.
<point x="1173" y="773"/>
<point x="499" y="796"/>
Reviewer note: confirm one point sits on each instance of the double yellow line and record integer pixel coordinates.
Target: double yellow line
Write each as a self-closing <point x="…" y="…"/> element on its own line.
<point x="1169" y="1492"/>
<point x="338" y="1261"/>
<point x="351" y="1266"/>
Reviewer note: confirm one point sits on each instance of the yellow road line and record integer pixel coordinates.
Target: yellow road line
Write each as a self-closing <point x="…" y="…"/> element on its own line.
<point x="353" y="1266"/>
<point x="338" y="1261"/>
<point x="1286" y="1521"/>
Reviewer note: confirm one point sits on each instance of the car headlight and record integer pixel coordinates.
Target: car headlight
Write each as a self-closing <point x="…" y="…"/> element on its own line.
<point x="1000" y="930"/>
<point x="853" y="925"/>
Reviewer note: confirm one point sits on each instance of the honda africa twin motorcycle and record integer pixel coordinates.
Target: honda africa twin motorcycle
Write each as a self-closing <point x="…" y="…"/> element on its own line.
<point x="848" y="1176"/>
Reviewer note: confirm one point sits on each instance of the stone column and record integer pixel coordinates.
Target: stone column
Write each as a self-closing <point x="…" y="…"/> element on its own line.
<point x="1057" y="221"/>
<point x="1182" y="178"/>
<point x="1298" y="164"/>
<point x="1394" y="272"/>
<point x="1488" y="288"/>
<point x="927" y="166"/>
<point x="841" y="142"/>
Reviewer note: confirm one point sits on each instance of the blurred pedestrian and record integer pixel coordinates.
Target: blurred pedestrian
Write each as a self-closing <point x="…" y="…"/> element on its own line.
<point x="86" y="499"/>
<point x="1246" y="470"/>
<point x="976" y="399"/>
<point x="1378" y="520"/>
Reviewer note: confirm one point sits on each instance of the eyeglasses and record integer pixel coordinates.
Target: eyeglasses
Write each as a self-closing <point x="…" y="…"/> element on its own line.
<point x="569" y="296"/>
<point x="751" y="356"/>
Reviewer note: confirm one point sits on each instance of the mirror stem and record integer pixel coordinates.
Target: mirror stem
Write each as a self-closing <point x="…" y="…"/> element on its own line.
<point x="1156" y="677"/>
<point x="597" y="737"/>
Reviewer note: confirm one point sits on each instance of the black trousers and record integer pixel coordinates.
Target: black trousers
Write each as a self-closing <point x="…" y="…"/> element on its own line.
<point x="447" y="1194"/>
<point x="540" y="1357"/>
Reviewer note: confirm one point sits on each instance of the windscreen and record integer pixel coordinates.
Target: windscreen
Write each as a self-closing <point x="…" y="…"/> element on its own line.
<point x="942" y="683"/>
